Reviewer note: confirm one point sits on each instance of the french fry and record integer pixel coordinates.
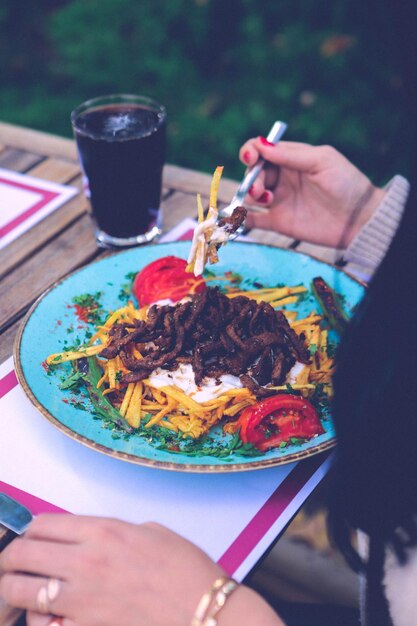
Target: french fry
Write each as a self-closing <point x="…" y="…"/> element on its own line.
<point x="167" y="424"/>
<point x="321" y="376"/>
<point x="73" y="355"/>
<point x="191" y="427"/>
<point x="103" y="379"/>
<point x="133" y="413"/>
<point x="112" y="372"/>
<point x="182" y="398"/>
<point x="103" y="330"/>
<point x="230" y="428"/>
<point x="283" y="301"/>
<point x="200" y="209"/>
<point x="156" y="419"/>
<point x="269" y="294"/>
<point x="233" y="409"/>
<point x="126" y="399"/>
<point x="291" y="316"/>
<point x="214" y="187"/>
<point x="136" y="353"/>
<point x="160" y="397"/>
<point x="306" y="321"/>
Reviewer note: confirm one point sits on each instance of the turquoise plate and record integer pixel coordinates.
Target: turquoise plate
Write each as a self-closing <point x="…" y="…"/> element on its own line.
<point x="52" y="324"/>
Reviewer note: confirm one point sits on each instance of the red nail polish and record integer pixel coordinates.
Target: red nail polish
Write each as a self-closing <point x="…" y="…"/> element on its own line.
<point x="264" y="197"/>
<point x="266" y="142"/>
<point x="246" y="156"/>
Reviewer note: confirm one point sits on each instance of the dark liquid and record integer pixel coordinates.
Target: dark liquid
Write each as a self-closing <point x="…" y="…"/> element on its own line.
<point x="122" y="151"/>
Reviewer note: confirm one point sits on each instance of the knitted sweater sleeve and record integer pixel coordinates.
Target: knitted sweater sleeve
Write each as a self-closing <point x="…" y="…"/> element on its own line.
<point x="370" y="245"/>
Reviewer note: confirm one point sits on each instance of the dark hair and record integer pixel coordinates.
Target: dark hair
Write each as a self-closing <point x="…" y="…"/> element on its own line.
<point x="375" y="406"/>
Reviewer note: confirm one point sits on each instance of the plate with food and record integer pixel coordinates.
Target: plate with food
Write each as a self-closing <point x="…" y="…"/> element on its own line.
<point x="230" y="370"/>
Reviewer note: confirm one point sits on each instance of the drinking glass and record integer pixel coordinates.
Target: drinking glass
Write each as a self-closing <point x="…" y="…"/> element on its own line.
<point x="121" y="141"/>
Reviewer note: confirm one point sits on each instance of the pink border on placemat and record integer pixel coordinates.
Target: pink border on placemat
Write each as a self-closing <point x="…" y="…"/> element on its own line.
<point x="7" y="383"/>
<point x="34" y="504"/>
<point x="47" y="196"/>
<point x="268" y="514"/>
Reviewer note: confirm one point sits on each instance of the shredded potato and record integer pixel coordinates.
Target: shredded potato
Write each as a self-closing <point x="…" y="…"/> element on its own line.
<point x="214" y="187"/>
<point x="73" y="355"/>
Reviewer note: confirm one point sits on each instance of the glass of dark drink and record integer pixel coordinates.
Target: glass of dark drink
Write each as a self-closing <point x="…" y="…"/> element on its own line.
<point x="121" y="146"/>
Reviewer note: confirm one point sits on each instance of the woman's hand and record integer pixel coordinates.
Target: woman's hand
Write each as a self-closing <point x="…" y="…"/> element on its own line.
<point x="111" y="572"/>
<point x="313" y="193"/>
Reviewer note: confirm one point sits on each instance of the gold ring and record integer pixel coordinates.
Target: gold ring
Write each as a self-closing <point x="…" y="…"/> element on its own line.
<point x="47" y="594"/>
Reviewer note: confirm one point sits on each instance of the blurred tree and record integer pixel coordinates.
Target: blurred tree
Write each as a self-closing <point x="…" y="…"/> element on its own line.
<point x="225" y="70"/>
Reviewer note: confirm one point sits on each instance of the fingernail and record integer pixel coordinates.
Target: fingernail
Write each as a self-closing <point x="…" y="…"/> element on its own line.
<point x="266" y="142"/>
<point x="264" y="197"/>
<point x="251" y="190"/>
<point x="246" y="156"/>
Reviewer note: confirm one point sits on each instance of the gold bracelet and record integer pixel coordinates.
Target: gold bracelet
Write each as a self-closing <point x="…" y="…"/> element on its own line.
<point x="213" y="601"/>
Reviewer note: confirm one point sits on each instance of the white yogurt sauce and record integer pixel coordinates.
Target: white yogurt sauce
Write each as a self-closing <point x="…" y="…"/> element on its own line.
<point x="168" y="302"/>
<point x="183" y="377"/>
<point x="296" y="369"/>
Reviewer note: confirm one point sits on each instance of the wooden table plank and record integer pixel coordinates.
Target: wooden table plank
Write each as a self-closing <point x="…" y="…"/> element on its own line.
<point x="177" y="207"/>
<point x="19" y="160"/>
<point x="190" y="181"/>
<point x="37" y="141"/>
<point x="56" y="170"/>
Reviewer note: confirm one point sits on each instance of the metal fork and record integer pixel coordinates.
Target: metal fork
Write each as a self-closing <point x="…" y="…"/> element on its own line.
<point x="274" y="135"/>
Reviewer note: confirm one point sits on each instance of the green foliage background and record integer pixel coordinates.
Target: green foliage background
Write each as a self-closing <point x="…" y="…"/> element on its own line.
<point x="225" y="69"/>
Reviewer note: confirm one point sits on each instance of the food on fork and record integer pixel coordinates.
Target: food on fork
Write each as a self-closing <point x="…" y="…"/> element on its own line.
<point x="212" y="232"/>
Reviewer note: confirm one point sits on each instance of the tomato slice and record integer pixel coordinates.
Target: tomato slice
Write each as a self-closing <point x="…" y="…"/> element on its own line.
<point x="270" y="422"/>
<point x="166" y="278"/>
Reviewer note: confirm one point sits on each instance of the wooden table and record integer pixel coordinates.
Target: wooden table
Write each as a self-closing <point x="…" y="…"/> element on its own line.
<point x="64" y="241"/>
